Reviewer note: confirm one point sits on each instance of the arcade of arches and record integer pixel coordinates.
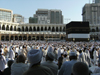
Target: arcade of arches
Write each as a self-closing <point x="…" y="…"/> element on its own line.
<point x="25" y="32"/>
<point x="31" y="37"/>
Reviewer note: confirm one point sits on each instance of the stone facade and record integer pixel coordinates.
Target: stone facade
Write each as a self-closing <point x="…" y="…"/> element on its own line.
<point x="91" y="14"/>
<point x="26" y="31"/>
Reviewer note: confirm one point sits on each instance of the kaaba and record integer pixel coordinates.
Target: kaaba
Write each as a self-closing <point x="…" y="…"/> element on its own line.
<point x="77" y="31"/>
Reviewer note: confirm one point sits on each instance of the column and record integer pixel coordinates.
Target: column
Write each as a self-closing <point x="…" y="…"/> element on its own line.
<point x="60" y="36"/>
<point x="9" y="36"/>
<point x="40" y="28"/>
<point x="13" y="37"/>
<point x="9" y="27"/>
<point x="35" y="38"/>
<point x="5" y="26"/>
<point x="22" y="37"/>
<point x="52" y="37"/>
<point x="0" y="36"/>
<point x="31" y="37"/>
<point x="4" y="37"/>
<point x="39" y="37"/>
<point x="27" y="37"/>
<point x="18" y="37"/>
<point x="1" y="26"/>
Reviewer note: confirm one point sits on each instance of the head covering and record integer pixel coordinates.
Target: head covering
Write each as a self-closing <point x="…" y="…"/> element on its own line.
<point x="51" y="55"/>
<point x="80" y="49"/>
<point x="72" y="54"/>
<point x="34" y="56"/>
<point x="50" y="49"/>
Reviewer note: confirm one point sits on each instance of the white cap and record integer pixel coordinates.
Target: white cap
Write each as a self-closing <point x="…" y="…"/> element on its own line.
<point x="34" y="56"/>
<point x="51" y="55"/>
<point x="72" y="54"/>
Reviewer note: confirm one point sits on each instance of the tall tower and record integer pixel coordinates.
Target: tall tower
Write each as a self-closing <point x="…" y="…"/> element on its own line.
<point x="6" y="15"/>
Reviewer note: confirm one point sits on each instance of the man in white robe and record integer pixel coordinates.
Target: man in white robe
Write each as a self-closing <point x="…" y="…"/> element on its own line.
<point x="11" y="54"/>
<point x="95" y="55"/>
<point x="59" y="53"/>
<point x="2" y="61"/>
<point x="82" y="57"/>
<point x="66" y="68"/>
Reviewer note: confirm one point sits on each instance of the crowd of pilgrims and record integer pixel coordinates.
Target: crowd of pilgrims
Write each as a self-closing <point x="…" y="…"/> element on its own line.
<point x="49" y="58"/>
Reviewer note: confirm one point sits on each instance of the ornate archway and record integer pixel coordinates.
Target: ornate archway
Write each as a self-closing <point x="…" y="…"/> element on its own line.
<point x="26" y="29"/>
<point x="14" y="28"/>
<point x="30" y="29"/>
<point x="38" y="29"/>
<point x="29" y="38"/>
<point x="34" y="29"/>
<point x="7" y="28"/>
<point x="53" y="29"/>
<point x="11" y="28"/>
<point x="3" y="27"/>
<point x="41" y="28"/>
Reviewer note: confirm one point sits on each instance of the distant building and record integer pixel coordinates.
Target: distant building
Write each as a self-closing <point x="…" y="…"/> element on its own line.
<point x="46" y="16"/>
<point x="91" y="13"/>
<point x="18" y="18"/>
<point x="17" y="31"/>
<point x="6" y="15"/>
<point x="33" y="20"/>
<point x="97" y="1"/>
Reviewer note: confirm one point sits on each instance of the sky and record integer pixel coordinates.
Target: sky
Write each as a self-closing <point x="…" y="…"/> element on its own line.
<point x="71" y="9"/>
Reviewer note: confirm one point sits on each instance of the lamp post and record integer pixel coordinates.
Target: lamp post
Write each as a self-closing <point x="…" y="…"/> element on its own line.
<point x="73" y="39"/>
<point x="88" y="39"/>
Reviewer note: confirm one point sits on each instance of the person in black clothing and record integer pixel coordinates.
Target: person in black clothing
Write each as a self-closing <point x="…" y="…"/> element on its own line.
<point x="60" y="61"/>
<point x="7" y="71"/>
<point x="1" y="73"/>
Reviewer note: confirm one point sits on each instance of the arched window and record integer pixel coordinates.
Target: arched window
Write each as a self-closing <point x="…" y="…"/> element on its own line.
<point x="53" y="29"/>
<point x="11" y="28"/>
<point x="29" y="38"/>
<point x="14" y="28"/>
<point x="38" y="29"/>
<point x="20" y="37"/>
<point x="16" y="37"/>
<point x="19" y="29"/>
<point x="64" y="29"/>
<point x="45" y="28"/>
<point x="30" y="29"/>
<point x="93" y="30"/>
<point x="97" y="29"/>
<point x="0" y="26"/>
<point x="60" y="29"/>
<point x="3" y="27"/>
<point x="2" y="38"/>
<point x="49" y="29"/>
<point x="26" y="29"/>
<point x="11" y="38"/>
<point x="41" y="28"/>
<point x="56" y="29"/>
<point x="7" y="38"/>
<point x="7" y="28"/>
<point x="34" y="29"/>
<point x="22" y="28"/>
<point x="24" y="38"/>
